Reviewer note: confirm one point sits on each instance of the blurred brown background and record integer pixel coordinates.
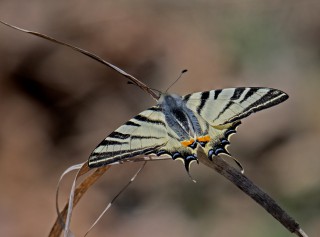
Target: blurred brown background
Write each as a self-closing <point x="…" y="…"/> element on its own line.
<point x="57" y="105"/>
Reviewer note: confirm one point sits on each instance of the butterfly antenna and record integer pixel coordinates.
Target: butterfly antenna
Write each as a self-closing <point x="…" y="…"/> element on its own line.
<point x="182" y="72"/>
<point x="115" y="197"/>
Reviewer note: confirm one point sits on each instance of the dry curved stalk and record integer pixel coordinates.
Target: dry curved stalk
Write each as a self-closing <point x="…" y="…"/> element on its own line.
<point x="57" y="227"/>
<point x="134" y="80"/>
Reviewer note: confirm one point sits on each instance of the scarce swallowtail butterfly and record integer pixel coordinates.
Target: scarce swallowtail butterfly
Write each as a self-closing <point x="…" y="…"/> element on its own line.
<point x="179" y="125"/>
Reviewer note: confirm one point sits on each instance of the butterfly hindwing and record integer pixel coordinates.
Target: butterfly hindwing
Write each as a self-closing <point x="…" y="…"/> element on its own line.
<point x="220" y="140"/>
<point x="176" y="151"/>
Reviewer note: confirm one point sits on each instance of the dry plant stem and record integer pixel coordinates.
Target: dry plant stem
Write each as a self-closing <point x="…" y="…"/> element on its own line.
<point x="57" y="228"/>
<point x="248" y="187"/>
<point x="91" y="55"/>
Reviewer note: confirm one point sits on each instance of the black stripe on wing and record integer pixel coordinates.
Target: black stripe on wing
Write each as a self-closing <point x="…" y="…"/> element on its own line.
<point x="227" y="106"/>
<point x="186" y="98"/>
<point x="216" y="94"/>
<point x="237" y="93"/>
<point x="204" y="97"/>
<point x="155" y="108"/>
<point x="144" y="137"/>
<point x="107" y="142"/>
<point x="235" y="96"/>
<point x="104" y="158"/>
<point x="119" y="135"/>
<point x="131" y="123"/>
<point x="271" y="98"/>
<point x="142" y="118"/>
<point x="250" y="93"/>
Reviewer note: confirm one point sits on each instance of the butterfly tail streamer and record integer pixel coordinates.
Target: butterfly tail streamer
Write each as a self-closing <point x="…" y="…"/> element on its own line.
<point x="115" y="197"/>
<point x="134" y="80"/>
<point x="249" y="188"/>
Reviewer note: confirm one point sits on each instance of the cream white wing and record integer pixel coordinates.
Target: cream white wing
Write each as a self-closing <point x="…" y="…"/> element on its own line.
<point x="220" y="107"/>
<point x="144" y="137"/>
<point x="143" y="134"/>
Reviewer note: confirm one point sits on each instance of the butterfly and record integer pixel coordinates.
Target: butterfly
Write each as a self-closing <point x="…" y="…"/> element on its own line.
<point x="178" y="126"/>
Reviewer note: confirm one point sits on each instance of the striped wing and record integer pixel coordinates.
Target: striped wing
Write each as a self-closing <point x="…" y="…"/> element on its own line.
<point x="144" y="137"/>
<point x="225" y="106"/>
<point x="143" y="134"/>
<point x="223" y="110"/>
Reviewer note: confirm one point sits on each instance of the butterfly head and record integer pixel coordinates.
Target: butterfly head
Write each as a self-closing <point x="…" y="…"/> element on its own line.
<point x="169" y="99"/>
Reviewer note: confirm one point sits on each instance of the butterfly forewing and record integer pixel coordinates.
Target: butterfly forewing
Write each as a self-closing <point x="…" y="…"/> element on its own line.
<point x="225" y="106"/>
<point x="142" y="134"/>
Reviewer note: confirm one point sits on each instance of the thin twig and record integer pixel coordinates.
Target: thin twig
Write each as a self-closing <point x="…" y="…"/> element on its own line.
<point x="134" y="80"/>
<point x="115" y="197"/>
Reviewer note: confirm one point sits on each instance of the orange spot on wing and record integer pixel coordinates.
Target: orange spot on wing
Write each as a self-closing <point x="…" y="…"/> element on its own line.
<point x="187" y="142"/>
<point x="204" y="138"/>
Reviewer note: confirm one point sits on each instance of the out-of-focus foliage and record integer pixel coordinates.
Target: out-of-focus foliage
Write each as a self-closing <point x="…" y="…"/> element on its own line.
<point x="56" y="105"/>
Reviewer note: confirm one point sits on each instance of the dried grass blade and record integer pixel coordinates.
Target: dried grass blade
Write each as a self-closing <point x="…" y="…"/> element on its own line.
<point x="57" y="228"/>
